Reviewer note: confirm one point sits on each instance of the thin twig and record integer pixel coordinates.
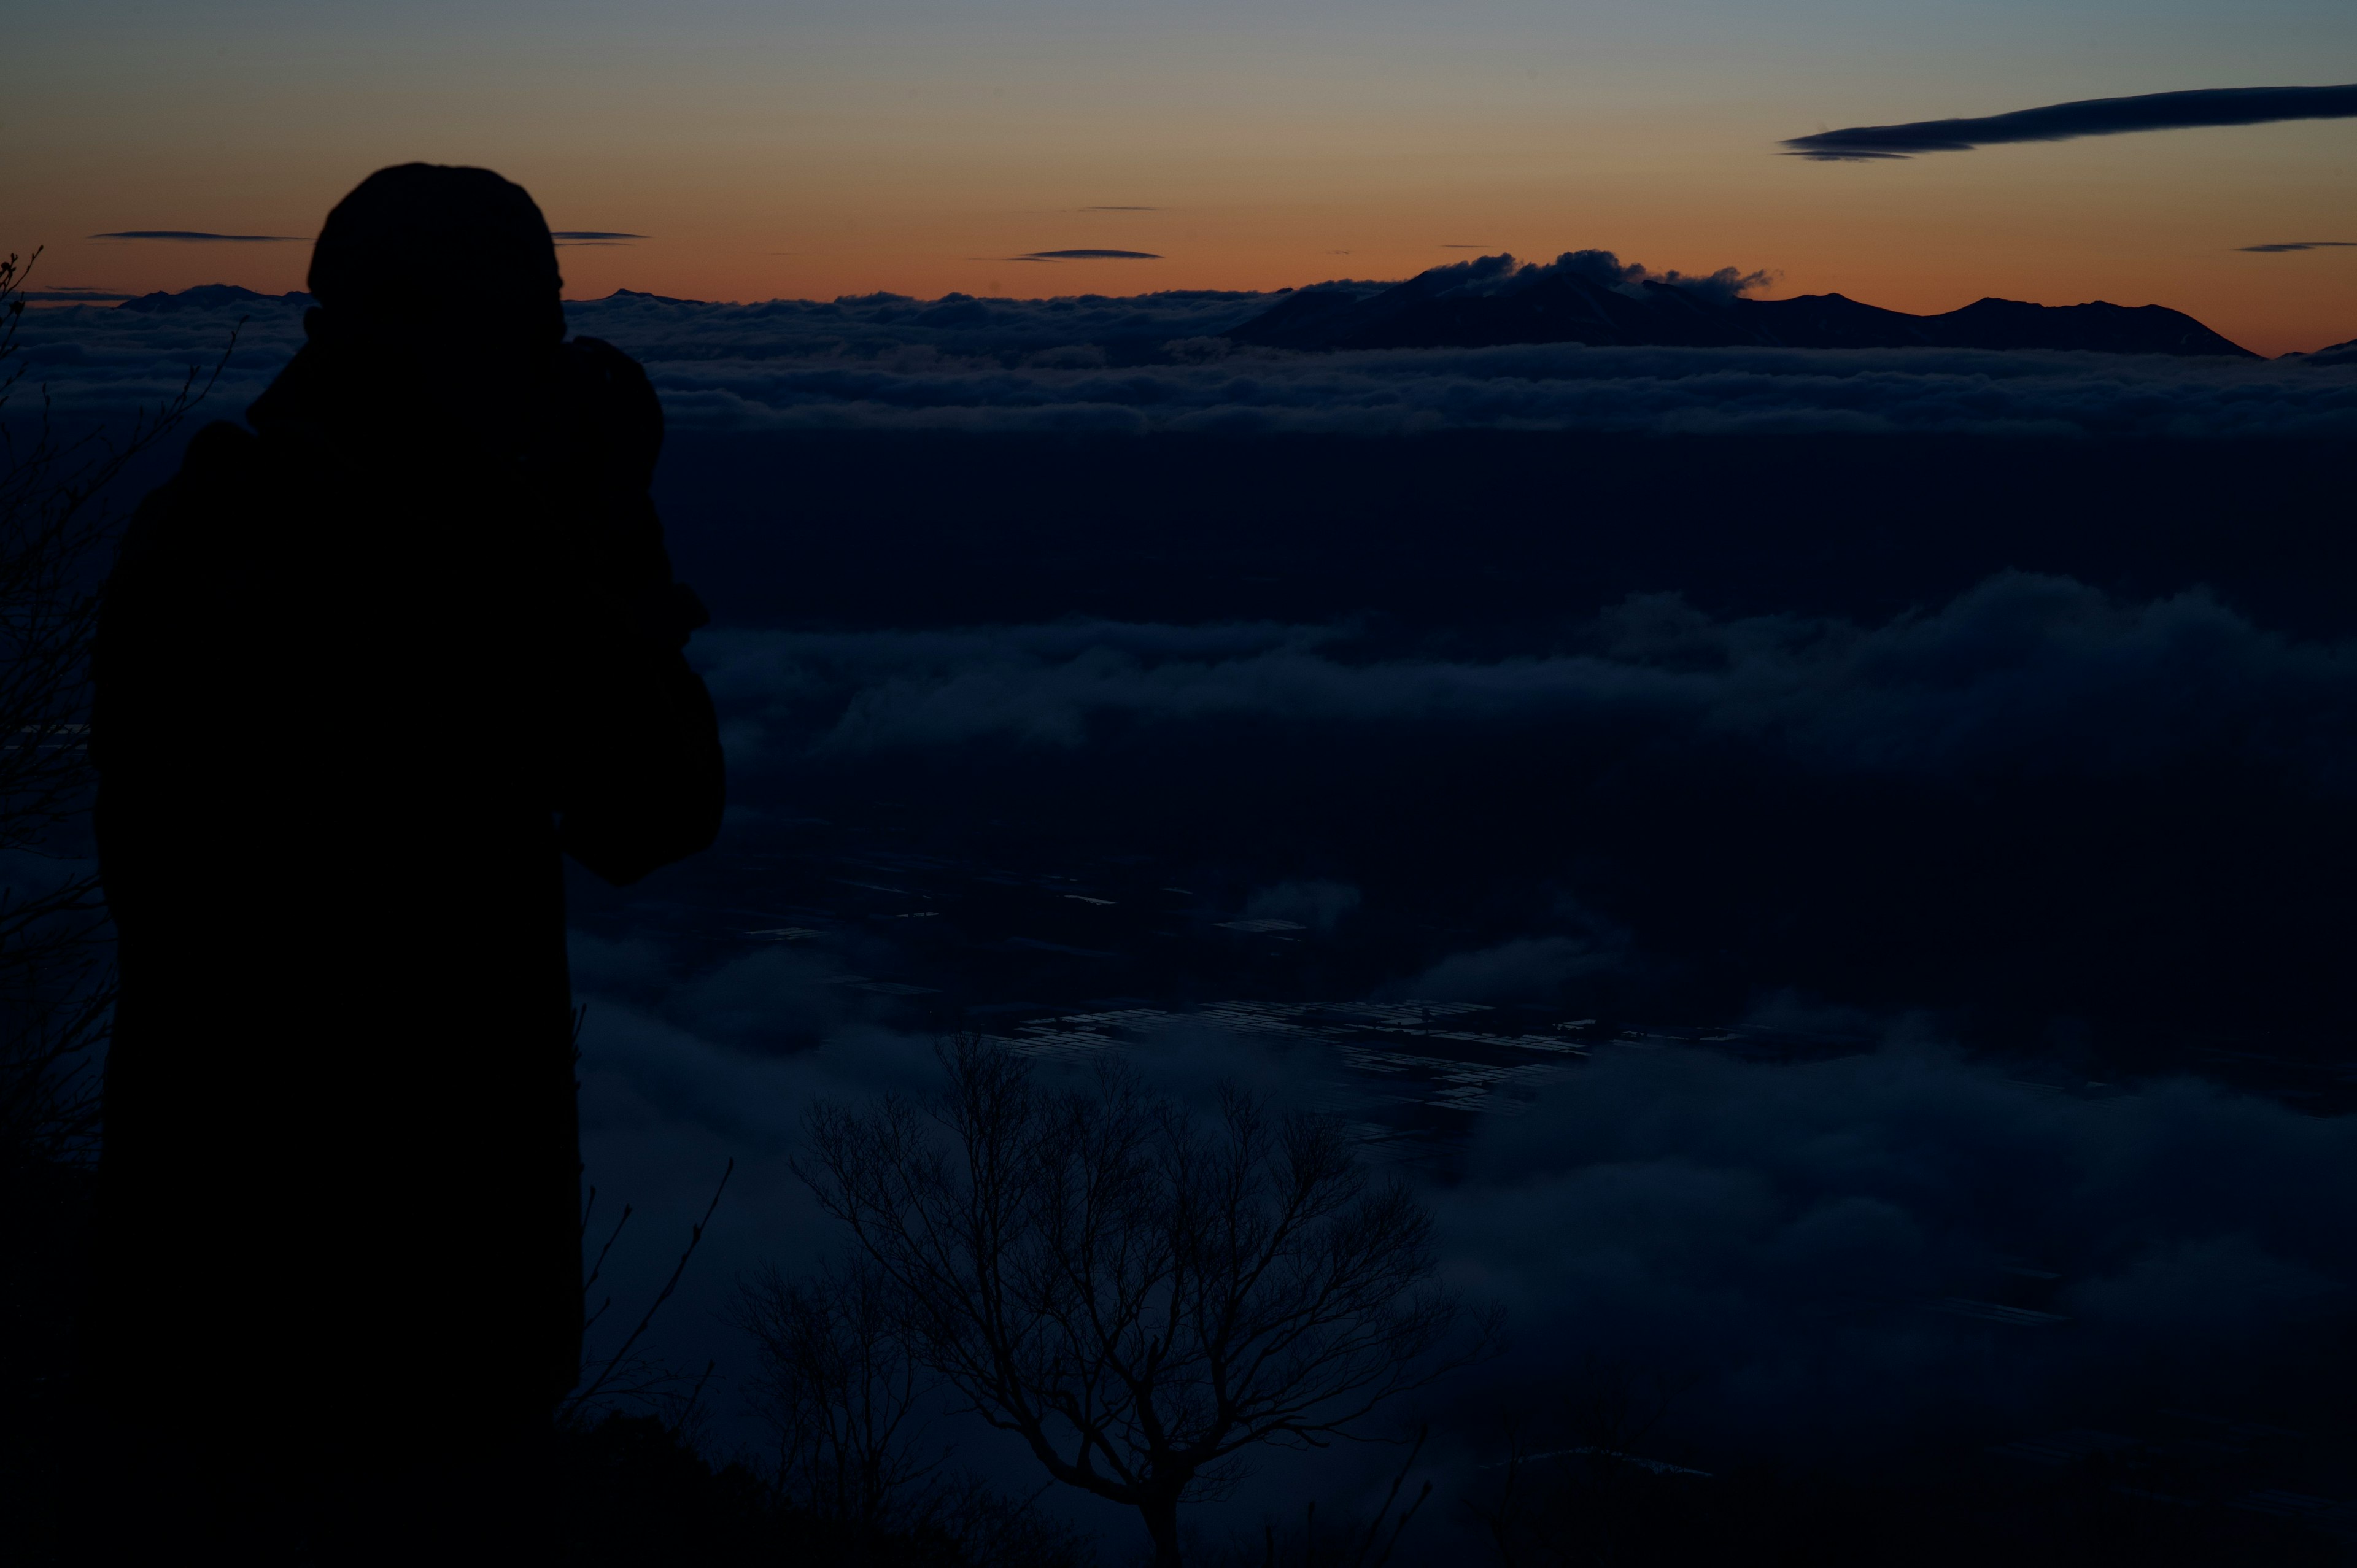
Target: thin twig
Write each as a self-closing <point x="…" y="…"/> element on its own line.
<point x="695" y="1239"/>
<point x="1375" y="1526"/>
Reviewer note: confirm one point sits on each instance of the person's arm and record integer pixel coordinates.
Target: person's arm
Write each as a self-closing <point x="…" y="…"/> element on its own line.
<point x="644" y="783"/>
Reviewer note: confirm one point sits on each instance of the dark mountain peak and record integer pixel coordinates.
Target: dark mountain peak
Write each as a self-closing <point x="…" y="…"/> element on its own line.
<point x="2099" y="325"/>
<point x="211" y="296"/>
<point x="1588" y="297"/>
<point x="2331" y="354"/>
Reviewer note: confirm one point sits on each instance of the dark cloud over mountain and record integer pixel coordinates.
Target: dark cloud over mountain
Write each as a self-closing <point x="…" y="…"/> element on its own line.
<point x="2088" y="117"/>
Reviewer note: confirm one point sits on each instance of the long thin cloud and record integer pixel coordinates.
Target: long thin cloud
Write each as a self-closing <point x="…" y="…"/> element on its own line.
<point x="199" y="235"/>
<point x="1087" y="256"/>
<point x="2088" y="117"/>
<point x="2302" y="245"/>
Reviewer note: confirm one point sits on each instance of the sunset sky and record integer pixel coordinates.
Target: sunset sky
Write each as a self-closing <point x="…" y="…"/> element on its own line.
<point x="817" y="149"/>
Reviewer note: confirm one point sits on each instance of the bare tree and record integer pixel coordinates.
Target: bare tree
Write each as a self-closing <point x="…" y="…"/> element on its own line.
<point x="1140" y="1297"/>
<point x="55" y="958"/>
<point x="850" y="1410"/>
<point x="839" y="1389"/>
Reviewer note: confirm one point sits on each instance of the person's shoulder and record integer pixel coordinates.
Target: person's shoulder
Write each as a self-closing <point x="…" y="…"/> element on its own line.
<point x="224" y="458"/>
<point x="600" y="357"/>
<point x="226" y="472"/>
<point x="219" y="453"/>
<point x="222" y="452"/>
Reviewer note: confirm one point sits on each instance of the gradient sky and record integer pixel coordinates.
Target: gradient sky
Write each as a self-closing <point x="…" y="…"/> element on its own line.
<point x="847" y="145"/>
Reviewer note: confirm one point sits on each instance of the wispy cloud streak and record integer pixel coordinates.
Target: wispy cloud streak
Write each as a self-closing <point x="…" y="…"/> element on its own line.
<point x="2087" y="117"/>
<point x="199" y="236"/>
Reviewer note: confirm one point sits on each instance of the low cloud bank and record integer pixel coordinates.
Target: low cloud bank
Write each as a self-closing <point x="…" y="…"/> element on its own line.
<point x="2056" y="817"/>
<point x="1797" y="1249"/>
<point x="1799" y="1240"/>
<point x="2025" y="676"/>
<point x="1158" y="363"/>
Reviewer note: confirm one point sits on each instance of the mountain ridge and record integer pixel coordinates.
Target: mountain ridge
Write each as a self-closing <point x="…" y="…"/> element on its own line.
<point x="1588" y="297"/>
<point x="1584" y="297"/>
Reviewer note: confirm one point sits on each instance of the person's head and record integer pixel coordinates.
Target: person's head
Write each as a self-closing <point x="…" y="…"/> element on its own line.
<point x="433" y="262"/>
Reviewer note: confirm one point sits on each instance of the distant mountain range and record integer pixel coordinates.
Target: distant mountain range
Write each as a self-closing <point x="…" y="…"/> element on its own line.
<point x="2332" y="354"/>
<point x="1586" y="297"/>
<point x="210" y="296"/>
<point x="1485" y="304"/>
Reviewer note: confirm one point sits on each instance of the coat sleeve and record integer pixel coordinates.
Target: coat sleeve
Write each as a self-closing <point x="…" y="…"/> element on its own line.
<point x="644" y="782"/>
<point x="646" y="785"/>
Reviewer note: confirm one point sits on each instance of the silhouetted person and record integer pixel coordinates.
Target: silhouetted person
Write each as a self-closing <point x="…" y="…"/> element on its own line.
<point x="366" y="672"/>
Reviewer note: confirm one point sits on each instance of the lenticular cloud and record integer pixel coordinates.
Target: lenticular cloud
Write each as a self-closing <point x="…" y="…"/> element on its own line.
<point x="2086" y="117"/>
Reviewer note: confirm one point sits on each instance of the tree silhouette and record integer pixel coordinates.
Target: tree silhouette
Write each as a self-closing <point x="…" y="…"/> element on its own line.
<point x="1138" y="1295"/>
<point x="851" y="1409"/>
<point x="56" y="957"/>
<point x="841" y="1394"/>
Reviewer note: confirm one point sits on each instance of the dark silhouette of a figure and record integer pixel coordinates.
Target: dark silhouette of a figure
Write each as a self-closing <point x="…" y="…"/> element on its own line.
<point x="366" y="672"/>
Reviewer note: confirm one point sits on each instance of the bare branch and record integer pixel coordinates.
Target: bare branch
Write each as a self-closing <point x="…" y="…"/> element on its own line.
<point x="56" y="989"/>
<point x="1142" y="1295"/>
<point x="618" y="1374"/>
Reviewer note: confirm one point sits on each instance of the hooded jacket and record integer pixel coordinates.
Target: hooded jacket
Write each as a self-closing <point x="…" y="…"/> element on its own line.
<point x="366" y="671"/>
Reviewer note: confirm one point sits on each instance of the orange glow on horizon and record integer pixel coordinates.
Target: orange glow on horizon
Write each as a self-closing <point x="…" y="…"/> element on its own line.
<point x="1257" y="161"/>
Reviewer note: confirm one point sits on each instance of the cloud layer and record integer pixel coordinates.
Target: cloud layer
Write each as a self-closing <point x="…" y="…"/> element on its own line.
<point x="1780" y="1232"/>
<point x="1157" y="363"/>
<point x="2087" y="117"/>
<point x="1786" y="1244"/>
<point x="2025" y="676"/>
<point x="2042" y="810"/>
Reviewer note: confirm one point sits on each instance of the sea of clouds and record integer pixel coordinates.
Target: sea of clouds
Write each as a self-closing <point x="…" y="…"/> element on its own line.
<point x="1772" y="1239"/>
<point x="2024" y="677"/>
<point x="1765" y="1235"/>
<point x="1157" y="363"/>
